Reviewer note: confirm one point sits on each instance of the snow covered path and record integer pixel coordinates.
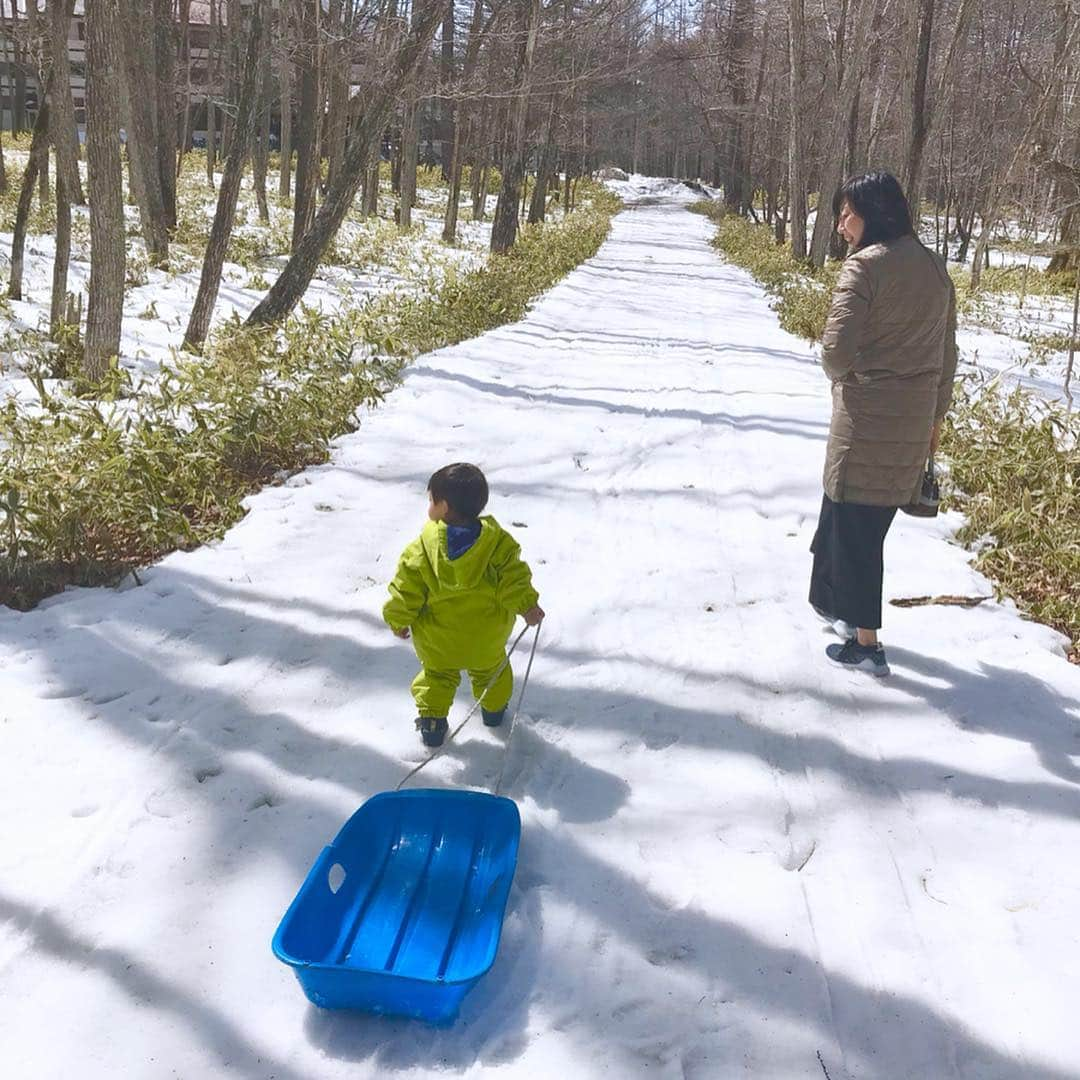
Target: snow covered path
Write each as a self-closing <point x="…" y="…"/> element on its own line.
<point x="736" y="860"/>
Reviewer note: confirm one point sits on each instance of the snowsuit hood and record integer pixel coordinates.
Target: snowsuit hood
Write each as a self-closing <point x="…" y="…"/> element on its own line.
<point x="460" y="610"/>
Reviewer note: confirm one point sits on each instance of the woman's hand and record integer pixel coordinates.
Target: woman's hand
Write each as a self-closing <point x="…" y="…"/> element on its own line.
<point x="534" y="615"/>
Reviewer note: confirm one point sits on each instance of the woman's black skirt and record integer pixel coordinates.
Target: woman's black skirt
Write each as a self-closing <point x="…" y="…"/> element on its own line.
<point x="846" y="579"/>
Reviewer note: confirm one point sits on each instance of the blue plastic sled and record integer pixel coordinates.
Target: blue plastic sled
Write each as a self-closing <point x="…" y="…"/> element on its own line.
<point x="401" y="914"/>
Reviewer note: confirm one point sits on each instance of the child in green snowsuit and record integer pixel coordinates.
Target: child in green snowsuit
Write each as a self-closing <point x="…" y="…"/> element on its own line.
<point x="458" y="588"/>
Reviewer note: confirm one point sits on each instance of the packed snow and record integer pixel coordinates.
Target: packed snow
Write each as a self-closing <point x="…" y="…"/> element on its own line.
<point x="736" y="859"/>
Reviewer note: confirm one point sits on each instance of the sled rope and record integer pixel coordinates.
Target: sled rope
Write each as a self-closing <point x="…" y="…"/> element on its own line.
<point x="513" y="719"/>
<point x="476" y="705"/>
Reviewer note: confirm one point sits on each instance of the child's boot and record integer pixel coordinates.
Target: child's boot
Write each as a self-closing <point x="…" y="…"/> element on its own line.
<point x="493" y="719"/>
<point x="432" y="729"/>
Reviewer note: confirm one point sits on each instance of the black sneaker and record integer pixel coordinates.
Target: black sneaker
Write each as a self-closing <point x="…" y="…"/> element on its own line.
<point x="851" y="654"/>
<point x="432" y="729"/>
<point x="493" y="719"/>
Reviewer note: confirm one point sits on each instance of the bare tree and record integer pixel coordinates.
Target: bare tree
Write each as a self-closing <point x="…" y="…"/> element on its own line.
<point x="796" y="160"/>
<point x="861" y="16"/>
<point x="366" y="132"/>
<point x="140" y="75"/>
<point x="165" y="42"/>
<point x="228" y="193"/>
<point x="504" y="229"/>
<point x="307" y="134"/>
<point x="62" y="131"/>
<point x="105" y="304"/>
<point x="39" y="154"/>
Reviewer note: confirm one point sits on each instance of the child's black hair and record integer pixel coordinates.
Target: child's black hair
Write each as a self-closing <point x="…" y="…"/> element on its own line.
<point x="464" y="488"/>
<point x="879" y="200"/>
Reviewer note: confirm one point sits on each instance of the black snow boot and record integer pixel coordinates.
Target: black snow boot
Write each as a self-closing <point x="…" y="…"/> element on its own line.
<point x="432" y="729"/>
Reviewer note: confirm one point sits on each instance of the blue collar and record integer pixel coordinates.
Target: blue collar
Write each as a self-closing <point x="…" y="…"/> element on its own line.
<point x="459" y="538"/>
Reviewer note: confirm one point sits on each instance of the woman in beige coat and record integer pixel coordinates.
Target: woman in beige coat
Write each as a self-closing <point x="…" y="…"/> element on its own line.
<point x="889" y="349"/>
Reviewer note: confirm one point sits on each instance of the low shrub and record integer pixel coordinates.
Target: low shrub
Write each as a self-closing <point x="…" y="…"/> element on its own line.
<point x="1014" y="469"/>
<point x="92" y="486"/>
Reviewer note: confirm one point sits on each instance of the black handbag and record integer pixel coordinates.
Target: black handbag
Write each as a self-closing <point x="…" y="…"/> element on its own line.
<point x="925" y="504"/>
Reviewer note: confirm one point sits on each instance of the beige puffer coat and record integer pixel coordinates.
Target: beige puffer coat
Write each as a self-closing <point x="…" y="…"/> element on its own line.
<point x="889" y="348"/>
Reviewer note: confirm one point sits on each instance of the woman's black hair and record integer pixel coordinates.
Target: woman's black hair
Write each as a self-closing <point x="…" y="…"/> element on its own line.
<point x="464" y="488"/>
<point x="879" y="200"/>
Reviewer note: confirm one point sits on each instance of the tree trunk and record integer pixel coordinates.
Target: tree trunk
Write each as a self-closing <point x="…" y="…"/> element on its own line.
<point x="165" y="42"/>
<point x="231" y="39"/>
<point x="307" y="141"/>
<point x="363" y="146"/>
<point x="453" y="198"/>
<point x="862" y="14"/>
<point x="141" y="77"/>
<point x="62" y="127"/>
<point x="18" y="114"/>
<point x="504" y="228"/>
<point x="228" y="193"/>
<point x="409" y="151"/>
<point x="916" y="96"/>
<point x="924" y="112"/>
<point x="62" y="259"/>
<point x="39" y="152"/>
<point x="185" y="45"/>
<point x="448" y="113"/>
<point x="337" y="63"/>
<point x="796" y="159"/>
<point x="742" y="32"/>
<point x="106" y="290"/>
<point x="43" y="178"/>
<point x="285" y="79"/>
<point x="261" y="149"/>
<point x="212" y="69"/>
<point x="371" y="182"/>
<point x="544" y="170"/>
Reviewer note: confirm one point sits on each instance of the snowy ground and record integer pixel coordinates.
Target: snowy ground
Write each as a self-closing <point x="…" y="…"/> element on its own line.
<point x="736" y="860"/>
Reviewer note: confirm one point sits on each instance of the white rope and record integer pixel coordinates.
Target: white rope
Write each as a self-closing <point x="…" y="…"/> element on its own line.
<point x="513" y="719"/>
<point x="476" y="705"/>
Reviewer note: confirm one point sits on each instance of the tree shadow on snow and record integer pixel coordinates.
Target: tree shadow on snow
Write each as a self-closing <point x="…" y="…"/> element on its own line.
<point x="1000" y="701"/>
<point x="804" y="429"/>
<point x="130" y="973"/>
<point x="1037" y="715"/>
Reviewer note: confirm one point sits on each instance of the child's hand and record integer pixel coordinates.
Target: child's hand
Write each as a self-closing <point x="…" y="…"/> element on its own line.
<point x="402" y="633"/>
<point x="534" y="615"/>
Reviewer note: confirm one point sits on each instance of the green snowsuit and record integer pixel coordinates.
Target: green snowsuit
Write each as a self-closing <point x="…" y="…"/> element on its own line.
<point x="461" y="612"/>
